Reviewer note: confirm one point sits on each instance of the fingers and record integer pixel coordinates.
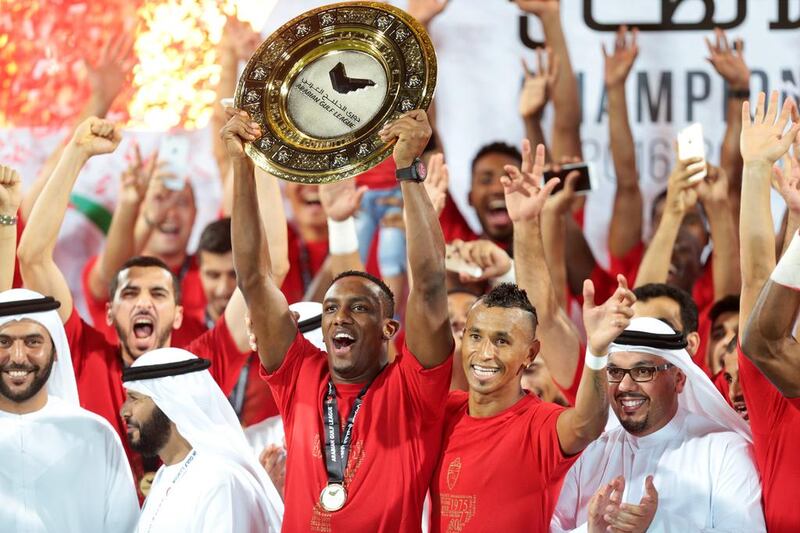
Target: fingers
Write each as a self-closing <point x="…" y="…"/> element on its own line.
<point x="746" y="119"/>
<point x="527" y="157"/>
<point x="588" y="293"/>
<point x="359" y="194"/>
<point x="538" y="163"/>
<point x="570" y="181"/>
<point x="8" y="176"/>
<point x="759" y="117"/>
<point x="650" y="489"/>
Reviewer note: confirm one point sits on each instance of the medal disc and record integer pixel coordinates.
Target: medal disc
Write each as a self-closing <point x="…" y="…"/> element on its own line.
<point x="333" y="497"/>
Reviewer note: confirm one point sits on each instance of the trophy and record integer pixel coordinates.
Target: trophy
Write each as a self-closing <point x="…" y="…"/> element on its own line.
<point x="323" y="85"/>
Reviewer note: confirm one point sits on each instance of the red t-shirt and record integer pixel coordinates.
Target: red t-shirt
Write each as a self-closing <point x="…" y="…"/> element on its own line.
<point x="193" y="300"/>
<point x="98" y="370"/>
<point x="454" y="225"/>
<point x="395" y="444"/>
<point x="381" y="176"/>
<point x="775" y="422"/>
<point x="305" y="260"/>
<point x="501" y="473"/>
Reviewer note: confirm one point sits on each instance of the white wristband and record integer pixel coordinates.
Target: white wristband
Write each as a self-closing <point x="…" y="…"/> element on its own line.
<point x="342" y="236"/>
<point x="595" y="362"/>
<point x="787" y="271"/>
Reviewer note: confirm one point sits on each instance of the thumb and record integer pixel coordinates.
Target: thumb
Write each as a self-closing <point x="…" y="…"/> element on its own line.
<point x="650" y="490"/>
<point x="588" y="294"/>
<point x="360" y="193"/>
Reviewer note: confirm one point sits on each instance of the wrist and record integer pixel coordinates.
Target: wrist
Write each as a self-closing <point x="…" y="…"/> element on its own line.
<point x="595" y="361"/>
<point x="8" y="219"/>
<point x="342" y="236"/>
<point x="75" y="152"/>
<point x="403" y="162"/>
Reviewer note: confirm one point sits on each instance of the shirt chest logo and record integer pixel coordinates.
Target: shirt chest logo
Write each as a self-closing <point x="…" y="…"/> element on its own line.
<point x="453" y="471"/>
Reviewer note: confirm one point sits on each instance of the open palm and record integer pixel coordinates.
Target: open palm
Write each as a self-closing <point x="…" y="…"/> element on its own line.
<point x="762" y="137"/>
<point x="524" y="191"/>
<point x="341" y="199"/>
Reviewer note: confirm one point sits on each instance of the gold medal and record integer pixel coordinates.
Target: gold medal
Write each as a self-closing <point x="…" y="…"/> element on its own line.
<point x="333" y="497"/>
<point x="322" y="86"/>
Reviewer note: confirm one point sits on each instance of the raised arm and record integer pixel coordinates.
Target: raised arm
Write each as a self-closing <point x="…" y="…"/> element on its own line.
<point x="119" y="245"/>
<point x="762" y="144"/>
<point x="681" y="196"/>
<point x="40" y="273"/>
<point x="729" y="63"/>
<point x="340" y="201"/>
<point x="625" y="230"/>
<point x="535" y="92"/>
<point x="272" y="323"/>
<point x="579" y="426"/>
<point x="428" y="333"/>
<point x="566" y="141"/>
<point x="525" y="195"/>
<point x="10" y="197"/>
<point x="714" y="194"/>
<point x="107" y="78"/>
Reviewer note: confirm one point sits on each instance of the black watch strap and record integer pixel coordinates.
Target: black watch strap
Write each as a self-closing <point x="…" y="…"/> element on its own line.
<point x="411" y="173"/>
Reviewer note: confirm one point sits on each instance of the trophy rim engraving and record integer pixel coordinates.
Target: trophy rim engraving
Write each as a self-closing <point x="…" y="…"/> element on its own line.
<point x="389" y="35"/>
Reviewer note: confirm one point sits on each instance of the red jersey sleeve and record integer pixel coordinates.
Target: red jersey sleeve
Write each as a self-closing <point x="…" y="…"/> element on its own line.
<point x="85" y="341"/>
<point x="284" y="380"/>
<point x="428" y="387"/>
<point x="765" y="404"/>
<point x="553" y="463"/>
<point x="218" y="346"/>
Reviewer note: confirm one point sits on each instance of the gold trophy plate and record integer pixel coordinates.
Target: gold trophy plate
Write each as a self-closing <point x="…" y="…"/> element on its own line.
<point x="324" y="84"/>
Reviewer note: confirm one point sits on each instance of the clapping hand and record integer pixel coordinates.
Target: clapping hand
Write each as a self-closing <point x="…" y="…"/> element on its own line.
<point x="109" y="74"/>
<point x="437" y="181"/>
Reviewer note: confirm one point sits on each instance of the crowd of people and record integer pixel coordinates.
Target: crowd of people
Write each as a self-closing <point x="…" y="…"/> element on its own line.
<point x="364" y="361"/>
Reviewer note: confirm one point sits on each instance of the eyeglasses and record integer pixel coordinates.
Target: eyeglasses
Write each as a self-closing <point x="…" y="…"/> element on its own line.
<point x="639" y="374"/>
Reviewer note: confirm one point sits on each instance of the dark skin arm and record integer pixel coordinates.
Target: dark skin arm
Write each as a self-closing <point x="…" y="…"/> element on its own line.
<point x="765" y="307"/>
<point x="271" y="321"/>
<point x="625" y="230"/>
<point x="428" y="333"/>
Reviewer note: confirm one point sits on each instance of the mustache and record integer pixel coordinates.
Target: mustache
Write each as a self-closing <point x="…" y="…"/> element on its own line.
<point x="631" y="396"/>
<point x="16" y="366"/>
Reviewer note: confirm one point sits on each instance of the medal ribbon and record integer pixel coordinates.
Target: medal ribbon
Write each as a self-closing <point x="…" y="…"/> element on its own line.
<point x="337" y="446"/>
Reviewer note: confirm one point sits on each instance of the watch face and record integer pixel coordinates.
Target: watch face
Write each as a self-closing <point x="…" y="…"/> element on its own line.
<point x="422" y="172"/>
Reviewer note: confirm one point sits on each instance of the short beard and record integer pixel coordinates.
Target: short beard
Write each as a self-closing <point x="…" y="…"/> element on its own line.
<point x="40" y="377"/>
<point x="153" y="434"/>
<point x="634" y="428"/>
<point x="161" y="342"/>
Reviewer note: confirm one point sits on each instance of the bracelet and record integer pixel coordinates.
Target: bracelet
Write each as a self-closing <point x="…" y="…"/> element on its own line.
<point x="742" y="94"/>
<point x="595" y="362"/>
<point x="342" y="236"/>
<point x="787" y="271"/>
<point x="8" y="220"/>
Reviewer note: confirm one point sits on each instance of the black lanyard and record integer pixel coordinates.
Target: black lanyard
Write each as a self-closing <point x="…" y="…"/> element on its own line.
<point x="337" y="447"/>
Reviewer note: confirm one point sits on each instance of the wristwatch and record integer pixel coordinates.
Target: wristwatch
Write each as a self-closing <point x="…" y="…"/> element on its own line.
<point x="416" y="172"/>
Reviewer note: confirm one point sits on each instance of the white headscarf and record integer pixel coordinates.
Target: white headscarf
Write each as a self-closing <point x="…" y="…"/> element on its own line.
<point x="310" y="310"/>
<point x="204" y="417"/>
<point x="61" y="383"/>
<point x="699" y="395"/>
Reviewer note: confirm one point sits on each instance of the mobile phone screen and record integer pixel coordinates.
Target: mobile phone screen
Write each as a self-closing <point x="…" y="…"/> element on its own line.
<point x="584" y="182"/>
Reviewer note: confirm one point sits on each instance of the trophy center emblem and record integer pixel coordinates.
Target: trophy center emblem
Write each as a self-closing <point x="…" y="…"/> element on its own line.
<point x="343" y="84"/>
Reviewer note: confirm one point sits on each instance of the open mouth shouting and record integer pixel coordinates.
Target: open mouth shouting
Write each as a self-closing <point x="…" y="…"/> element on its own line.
<point x="342" y="342"/>
<point x="741" y="408"/>
<point x="144" y="330"/>
<point x="497" y="214"/>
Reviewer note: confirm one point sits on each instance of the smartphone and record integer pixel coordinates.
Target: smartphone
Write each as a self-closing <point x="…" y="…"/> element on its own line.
<point x="455" y="263"/>
<point x="692" y="144"/>
<point x="586" y="177"/>
<point x="174" y="152"/>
